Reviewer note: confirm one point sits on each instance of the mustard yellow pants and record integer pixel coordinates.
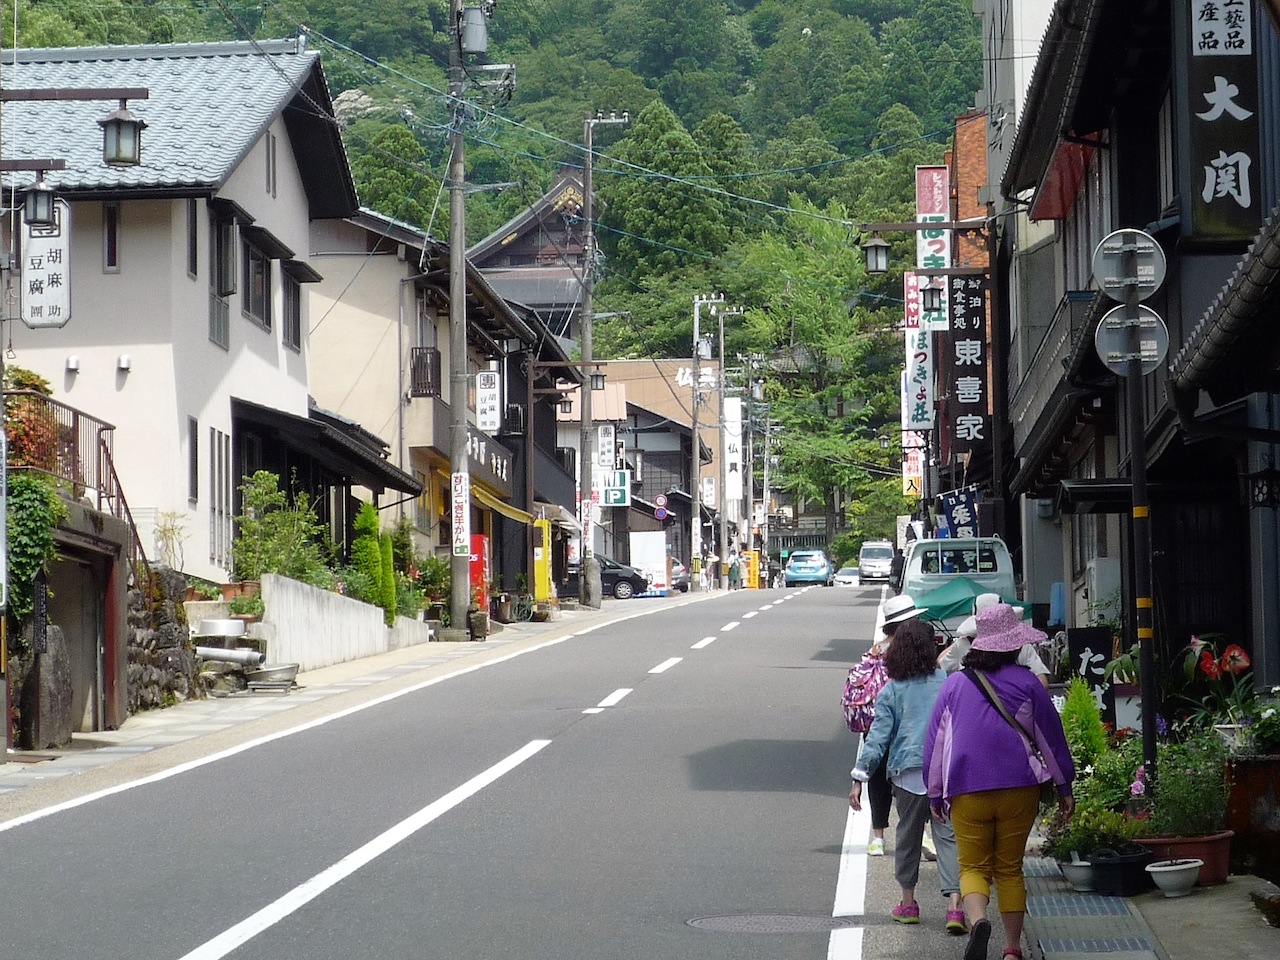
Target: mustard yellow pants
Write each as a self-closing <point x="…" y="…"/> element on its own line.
<point x="991" y="836"/>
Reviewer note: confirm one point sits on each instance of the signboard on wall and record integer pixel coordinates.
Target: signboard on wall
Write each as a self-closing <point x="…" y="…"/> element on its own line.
<point x="968" y="364"/>
<point x="46" y="270"/>
<point x="488" y="401"/>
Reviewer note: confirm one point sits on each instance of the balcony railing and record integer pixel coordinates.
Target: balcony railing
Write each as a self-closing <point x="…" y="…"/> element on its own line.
<point x="74" y="449"/>
<point x="424" y="372"/>
<point x="1045" y="371"/>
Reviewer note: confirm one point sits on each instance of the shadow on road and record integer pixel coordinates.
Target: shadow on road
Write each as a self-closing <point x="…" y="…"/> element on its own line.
<point x="803" y="766"/>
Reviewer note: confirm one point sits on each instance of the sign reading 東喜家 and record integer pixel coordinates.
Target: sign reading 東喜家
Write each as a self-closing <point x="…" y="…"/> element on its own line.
<point x="488" y="401"/>
<point x="967" y="364"/>
<point x="46" y="270"/>
<point x="1219" y="130"/>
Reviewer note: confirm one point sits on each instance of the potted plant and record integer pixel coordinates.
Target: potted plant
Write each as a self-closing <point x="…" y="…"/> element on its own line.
<point x="1220" y="687"/>
<point x="247" y="608"/>
<point x="1188" y="812"/>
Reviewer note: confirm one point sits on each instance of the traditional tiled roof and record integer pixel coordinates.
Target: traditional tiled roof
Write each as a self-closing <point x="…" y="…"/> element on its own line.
<point x="208" y="104"/>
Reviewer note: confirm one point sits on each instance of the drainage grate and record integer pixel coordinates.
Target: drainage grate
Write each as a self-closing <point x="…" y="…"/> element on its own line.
<point x="772" y="923"/>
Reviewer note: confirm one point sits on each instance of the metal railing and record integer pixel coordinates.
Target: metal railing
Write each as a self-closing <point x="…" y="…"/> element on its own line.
<point x="424" y="372"/>
<point x="74" y="449"/>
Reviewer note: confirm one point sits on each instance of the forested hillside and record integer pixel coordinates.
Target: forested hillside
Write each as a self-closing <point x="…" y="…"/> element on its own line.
<point x="762" y="132"/>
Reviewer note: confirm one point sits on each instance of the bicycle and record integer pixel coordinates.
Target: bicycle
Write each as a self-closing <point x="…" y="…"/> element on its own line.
<point x="522" y="608"/>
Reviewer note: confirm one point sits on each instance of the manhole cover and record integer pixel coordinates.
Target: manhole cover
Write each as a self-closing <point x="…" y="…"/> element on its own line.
<point x="771" y="923"/>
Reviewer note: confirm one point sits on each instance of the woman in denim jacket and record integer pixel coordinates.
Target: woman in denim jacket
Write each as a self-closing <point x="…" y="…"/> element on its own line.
<point x="903" y="709"/>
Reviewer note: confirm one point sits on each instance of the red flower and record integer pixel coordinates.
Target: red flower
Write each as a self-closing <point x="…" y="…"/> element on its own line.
<point x="1235" y="660"/>
<point x="1209" y="665"/>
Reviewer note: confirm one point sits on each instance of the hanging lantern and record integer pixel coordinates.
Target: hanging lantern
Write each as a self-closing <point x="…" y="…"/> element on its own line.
<point x="877" y="253"/>
<point x="931" y="298"/>
<point x="122" y="137"/>
<point x="37" y="207"/>
<point x="597" y="379"/>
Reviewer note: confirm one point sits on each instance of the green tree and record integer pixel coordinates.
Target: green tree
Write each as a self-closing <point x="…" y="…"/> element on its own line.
<point x="387" y="581"/>
<point x="364" y="572"/>
<point x="278" y="534"/>
<point x="391" y="177"/>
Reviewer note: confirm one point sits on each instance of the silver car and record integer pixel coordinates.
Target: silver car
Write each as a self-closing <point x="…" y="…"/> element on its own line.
<point x="875" y="560"/>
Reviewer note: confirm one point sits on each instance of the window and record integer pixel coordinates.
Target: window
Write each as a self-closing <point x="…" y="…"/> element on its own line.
<point x="193" y="244"/>
<point x="291" y="310"/>
<point x="269" y="141"/>
<point x="193" y="460"/>
<point x="222" y="276"/>
<point x="111" y="238"/>
<point x="220" y="507"/>
<point x="257" y="285"/>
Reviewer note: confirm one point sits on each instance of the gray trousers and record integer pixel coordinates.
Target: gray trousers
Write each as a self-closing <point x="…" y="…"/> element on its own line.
<point x="913" y="814"/>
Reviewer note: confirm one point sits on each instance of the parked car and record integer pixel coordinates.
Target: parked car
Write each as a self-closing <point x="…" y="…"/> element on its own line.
<point x="679" y="576"/>
<point x="875" y="560"/>
<point x="619" y="580"/>
<point x="808" y="566"/>
<point x="847" y="577"/>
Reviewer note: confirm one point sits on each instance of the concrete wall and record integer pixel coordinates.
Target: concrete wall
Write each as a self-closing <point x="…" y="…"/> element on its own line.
<point x="315" y="628"/>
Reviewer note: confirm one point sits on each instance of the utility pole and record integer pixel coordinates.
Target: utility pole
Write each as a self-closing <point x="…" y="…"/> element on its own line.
<point x="588" y="566"/>
<point x="695" y="466"/>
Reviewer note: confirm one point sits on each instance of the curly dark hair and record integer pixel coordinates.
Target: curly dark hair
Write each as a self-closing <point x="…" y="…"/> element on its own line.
<point x="988" y="659"/>
<point x="913" y="652"/>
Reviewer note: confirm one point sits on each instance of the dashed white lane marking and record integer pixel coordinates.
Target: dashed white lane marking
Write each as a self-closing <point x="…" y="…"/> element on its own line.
<point x="704" y="642"/>
<point x="750" y="613"/>
<point x="729" y="626"/>
<point x="594" y="710"/>
<point x="666" y="665"/>
<point x="613" y="699"/>
<point x="244" y="931"/>
<point x="767" y="606"/>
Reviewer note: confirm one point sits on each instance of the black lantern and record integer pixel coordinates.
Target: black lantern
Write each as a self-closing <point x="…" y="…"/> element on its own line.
<point x="597" y="379"/>
<point x="877" y="253"/>
<point x="122" y="137"/>
<point x="37" y="207"/>
<point x="1264" y="488"/>
<point x="566" y="405"/>
<point x="931" y="298"/>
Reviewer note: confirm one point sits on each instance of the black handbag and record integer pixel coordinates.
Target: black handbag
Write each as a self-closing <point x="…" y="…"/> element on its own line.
<point x="1048" y="790"/>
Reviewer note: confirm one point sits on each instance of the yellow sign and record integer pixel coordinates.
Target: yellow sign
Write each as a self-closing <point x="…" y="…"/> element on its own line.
<point x="752" y="578"/>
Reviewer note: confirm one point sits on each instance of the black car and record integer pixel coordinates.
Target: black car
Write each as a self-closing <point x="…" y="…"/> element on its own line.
<point x="619" y="580"/>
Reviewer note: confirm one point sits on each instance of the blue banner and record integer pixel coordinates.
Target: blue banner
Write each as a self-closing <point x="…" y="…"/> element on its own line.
<point x="961" y="509"/>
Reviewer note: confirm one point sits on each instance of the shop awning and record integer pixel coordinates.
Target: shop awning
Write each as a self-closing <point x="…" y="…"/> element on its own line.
<point x="501" y="506"/>
<point x="559" y="515"/>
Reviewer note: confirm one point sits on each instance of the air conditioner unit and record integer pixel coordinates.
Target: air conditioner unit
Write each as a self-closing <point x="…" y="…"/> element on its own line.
<point x="514" y="422"/>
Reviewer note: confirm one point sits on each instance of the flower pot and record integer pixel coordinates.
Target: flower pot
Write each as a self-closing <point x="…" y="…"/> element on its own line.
<point x="1214" y="849"/>
<point x="1077" y="873"/>
<point x="240" y="588"/>
<point x="1175" y="877"/>
<point x="1117" y="874"/>
<point x="1237" y="736"/>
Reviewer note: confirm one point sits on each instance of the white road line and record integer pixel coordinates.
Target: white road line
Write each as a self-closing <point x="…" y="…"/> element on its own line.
<point x="704" y="642"/>
<point x="594" y="710"/>
<point x="304" y="893"/>
<point x="851" y="885"/>
<point x="767" y="606"/>
<point x="729" y="626"/>
<point x="750" y="613"/>
<point x="666" y="665"/>
<point x="613" y="699"/>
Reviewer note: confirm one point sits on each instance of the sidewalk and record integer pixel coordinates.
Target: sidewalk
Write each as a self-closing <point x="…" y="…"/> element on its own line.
<point x="153" y="729"/>
<point x="1213" y="923"/>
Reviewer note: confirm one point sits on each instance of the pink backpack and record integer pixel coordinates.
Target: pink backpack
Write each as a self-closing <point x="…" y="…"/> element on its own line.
<point x="866" y="679"/>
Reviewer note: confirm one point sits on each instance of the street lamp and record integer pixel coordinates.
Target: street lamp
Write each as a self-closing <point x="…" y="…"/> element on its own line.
<point x="37" y="206"/>
<point x="597" y="379"/>
<point x="877" y="253"/>
<point x="122" y="137"/>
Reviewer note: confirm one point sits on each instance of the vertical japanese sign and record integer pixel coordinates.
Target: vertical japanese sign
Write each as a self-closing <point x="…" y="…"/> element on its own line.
<point x="46" y="270"/>
<point x="488" y="401"/>
<point x="911" y="298"/>
<point x="606" y="452"/>
<point x="733" y="486"/>
<point x="933" y="247"/>
<point x="961" y="510"/>
<point x="967" y="377"/>
<point x="460" y="487"/>
<point x="917" y="396"/>
<point x="1221" y="167"/>
<point x="1090" y="649"/>
<point x="914" y="447"/>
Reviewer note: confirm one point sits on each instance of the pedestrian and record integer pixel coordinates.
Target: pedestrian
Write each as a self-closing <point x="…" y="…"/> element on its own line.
<point x="953" y="656"/>
<point x="896" y="737"/>
<point x="735" y="572"/>
<point x="984" y="774"/>
<point x="895" y="568"/>
<point x="894" y="612"/>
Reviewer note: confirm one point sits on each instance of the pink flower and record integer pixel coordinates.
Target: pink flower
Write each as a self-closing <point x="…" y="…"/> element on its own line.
<point x="1235" y="660"/>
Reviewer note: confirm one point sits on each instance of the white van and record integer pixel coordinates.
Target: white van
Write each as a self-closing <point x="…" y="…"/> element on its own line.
<point x="984" y="560"/>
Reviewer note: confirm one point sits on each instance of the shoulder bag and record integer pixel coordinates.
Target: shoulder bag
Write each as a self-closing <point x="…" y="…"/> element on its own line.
<point x="866" y="679"/>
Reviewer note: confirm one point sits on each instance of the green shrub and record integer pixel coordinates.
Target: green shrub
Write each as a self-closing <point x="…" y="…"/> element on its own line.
<point x="435" y="576"/>
<point x="1192" y="789"/>
<point x="1093" y="827"/>
<point x="276" y="536"/>
<point x="34" y="509"/>
<point x="1082" y="721"/>
<point x="387" y="583"/>
<point x="364" y="574"/>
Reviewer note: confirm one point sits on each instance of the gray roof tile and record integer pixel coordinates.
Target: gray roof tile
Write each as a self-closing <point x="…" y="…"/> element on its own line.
<point x="209" y="103"/>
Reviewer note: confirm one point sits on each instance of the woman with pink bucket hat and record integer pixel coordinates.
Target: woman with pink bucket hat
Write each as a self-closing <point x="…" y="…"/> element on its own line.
<point x="994" y="737"/>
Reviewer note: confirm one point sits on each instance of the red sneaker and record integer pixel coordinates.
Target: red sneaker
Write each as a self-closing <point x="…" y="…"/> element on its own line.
<point x="906" y="913"/>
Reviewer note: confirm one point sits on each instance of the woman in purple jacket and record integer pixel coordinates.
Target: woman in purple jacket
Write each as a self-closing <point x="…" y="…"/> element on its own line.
<point x="985" y="774"/>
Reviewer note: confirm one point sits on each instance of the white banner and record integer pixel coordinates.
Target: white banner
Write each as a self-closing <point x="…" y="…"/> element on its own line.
<point x="460" y="484"/>
<point x="917" y="394"/>
<point x="605" y="452"/>
<point x="488" y="401"/>
<point x="933" y="247"/>
<point x="46" y="270"/>
<point x="733" y="459"/>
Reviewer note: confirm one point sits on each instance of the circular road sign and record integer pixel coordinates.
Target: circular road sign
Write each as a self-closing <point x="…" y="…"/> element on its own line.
<point x="1111" y="340"/>
<point x="660" y="513"/>
<point x="1114" y="272"/>
<point x="660" y="501"/>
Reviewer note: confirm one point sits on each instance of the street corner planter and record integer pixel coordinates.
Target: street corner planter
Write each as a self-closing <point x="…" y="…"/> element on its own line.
<point x="1121" y="874"/>
<point x="1175" y="878"/>
<point x="1214" y="849"/>
<point x="1079" y="874"/>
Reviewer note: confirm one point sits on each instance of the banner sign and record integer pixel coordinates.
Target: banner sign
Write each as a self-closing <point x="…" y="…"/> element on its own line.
<point x="460" y="485"/>
<point x="913" y="472"/>
<point x="733" y="450"/>
<point x="1222" y="165"/>
<point x="911" y="297"/>
<point x="968" y="368"/>
<point x="933" y="247"/>
<point x="46" y="270"/>
<point x="917" y="400"/>
<point x="961" y="509"/>
<point x="605" y="451"/>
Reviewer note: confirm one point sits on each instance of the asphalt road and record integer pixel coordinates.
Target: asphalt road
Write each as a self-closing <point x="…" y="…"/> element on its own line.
<point x="589" y="799"/>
